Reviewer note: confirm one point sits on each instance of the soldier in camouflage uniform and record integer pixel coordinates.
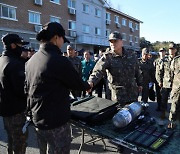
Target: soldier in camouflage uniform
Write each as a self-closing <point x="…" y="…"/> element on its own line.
<point x="12" y="96"/>
<point x="175" y="93"/>
<point x="157" y="64"/>
<point x="164" y="78"/>
<point x="71" y="55"/>
<point x="148" y="73"/>
<point x="124" y="75"/>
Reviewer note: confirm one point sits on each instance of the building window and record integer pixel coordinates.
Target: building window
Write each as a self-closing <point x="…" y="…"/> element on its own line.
<point x="72" y="4"/>
<point x="97" y="31"/>
<point x="108" y="16"/>
<point x="108" y="31"/>
<point x="124" y="36"/>
<point x="123" y="22"/>
<point x="85" y="28"/>
<point x="54" y="19"/>
<point x="136" y="26"/>
<point x="136" y="39"/>
<point x="8" y="12"/>
<point x="55" y="1"/>
<point x="130" y="38"/>
<point x="130" y="24"/>
<point x="85" y="8"/>
<point x="72" y="25"/>
<point x="116" y="19"/>
<point x="97" y="12"/>
<point x="34" y="17"/>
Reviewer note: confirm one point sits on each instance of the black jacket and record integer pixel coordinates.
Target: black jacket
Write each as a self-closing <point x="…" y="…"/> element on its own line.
<point x="49" y="76"/>
<point x="12" y="97"/>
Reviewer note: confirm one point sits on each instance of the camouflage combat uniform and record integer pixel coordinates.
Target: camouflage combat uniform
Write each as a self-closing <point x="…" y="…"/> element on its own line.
<point x="164" y="77"/>
<point x="16" y="138"/>
<point x="175" y="93"/>
<point x="77" y="65"/>
<point x="148" y="73"/>
<point x="157" y="64"/>
<point x="123" y="76"/>
<point x="59" y="139"/>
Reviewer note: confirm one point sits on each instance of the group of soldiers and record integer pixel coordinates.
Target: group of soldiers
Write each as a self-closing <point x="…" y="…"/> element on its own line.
<point x="43" y="91"/>
<point x="168" y="77"/>
<point x="157" y="71"/>
<point x="164" y="73"/>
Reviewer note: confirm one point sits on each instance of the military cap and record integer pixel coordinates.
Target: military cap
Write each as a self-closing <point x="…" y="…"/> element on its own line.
<point x="13" y="38"/>
<point x="115" y="36"/>
<point x="54" y="28"/>
<point x="172" y="46"/>
<point x="162" y="49"/>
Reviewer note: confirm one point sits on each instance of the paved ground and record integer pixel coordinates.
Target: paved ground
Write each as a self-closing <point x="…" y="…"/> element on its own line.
<point x="87" y="149"/>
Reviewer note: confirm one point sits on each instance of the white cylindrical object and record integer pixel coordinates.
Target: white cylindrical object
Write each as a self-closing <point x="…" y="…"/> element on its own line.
<point x="127" y="114"/>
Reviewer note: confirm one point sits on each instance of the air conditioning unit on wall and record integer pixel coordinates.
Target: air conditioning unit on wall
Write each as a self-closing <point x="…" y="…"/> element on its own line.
<point x="72" y="10"/>
<point x="108" y="22"/>
<point x="132" y="29"/>
<point x="118" y="25"/>
<point x="37" y="28"/>
<point x="131" y="43"/>
<point x="72" y="33"/>
<point x="38" y="2"/>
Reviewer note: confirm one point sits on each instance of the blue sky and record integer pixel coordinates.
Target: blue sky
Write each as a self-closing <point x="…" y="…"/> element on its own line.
<point x="161" y="18"/>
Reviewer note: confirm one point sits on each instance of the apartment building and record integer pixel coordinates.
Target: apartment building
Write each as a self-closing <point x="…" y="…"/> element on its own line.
<point x="91" y="27"/>
<point x="128" y="26"/>
<point x="87" y="22"/>
<point x="26" y="17"/>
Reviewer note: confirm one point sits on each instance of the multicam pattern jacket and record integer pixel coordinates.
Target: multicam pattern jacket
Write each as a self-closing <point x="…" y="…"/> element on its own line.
<point x="77" y="64"/>
<point x="148" y="71"/>
<point x="175" y="68"/>
<point x="124" y="75"/>
<point x="157" y="64"/>
<point x="175" y="93"/>
<point x="164" y="76"/>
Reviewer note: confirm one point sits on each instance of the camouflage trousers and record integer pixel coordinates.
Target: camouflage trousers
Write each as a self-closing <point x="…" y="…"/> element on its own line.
<point x="158" y="94"/>
<point x="175" y="107"/>
<point x="16" y="139"/>
<point x="145" y="92"/>
<point x="165" y="92"/>
<point x="54" y="141"/>
<point x="118" y="95"/>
